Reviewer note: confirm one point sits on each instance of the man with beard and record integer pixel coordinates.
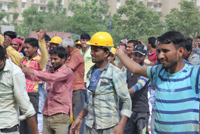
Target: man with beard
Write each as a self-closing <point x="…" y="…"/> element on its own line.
<point x="177" y="85"/>
<point x="138" y="89"/>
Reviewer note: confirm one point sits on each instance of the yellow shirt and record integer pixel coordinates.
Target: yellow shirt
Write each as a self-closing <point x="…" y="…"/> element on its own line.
<point x="88" y="62"/>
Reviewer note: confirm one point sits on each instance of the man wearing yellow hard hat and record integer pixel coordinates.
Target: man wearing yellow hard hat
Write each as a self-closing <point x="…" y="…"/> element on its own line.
<point x="107" y="89"/>
<point x="54" y="42"/>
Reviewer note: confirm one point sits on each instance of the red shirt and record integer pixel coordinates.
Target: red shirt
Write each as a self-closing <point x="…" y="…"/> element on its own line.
<point x="152" y="56"/>
<point x="59" y="89"/>
<point x="76" y="62"/>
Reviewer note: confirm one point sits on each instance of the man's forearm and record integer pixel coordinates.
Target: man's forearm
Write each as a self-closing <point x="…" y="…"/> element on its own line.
<point x="123" y="120"/>
<point x="83" y="113"/>
<point x="33" y="124"/>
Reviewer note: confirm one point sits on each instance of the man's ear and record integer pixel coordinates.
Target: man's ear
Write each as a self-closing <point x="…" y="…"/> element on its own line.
<point x="107" y="53"/>
<point x="6" y="56"/>
<point x="181" y="51"/>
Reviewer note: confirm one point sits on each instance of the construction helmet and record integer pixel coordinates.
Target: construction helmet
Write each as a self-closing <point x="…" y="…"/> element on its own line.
<point x="113" y="50"/>
<point x="78" y="43"/>
<point x="101" y="39"/>
<point x="56" y="40"/>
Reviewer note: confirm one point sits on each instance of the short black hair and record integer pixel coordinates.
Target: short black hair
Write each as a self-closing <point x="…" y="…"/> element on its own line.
<point x="135" y="42"/>
<point x="85" y="36"/>
<point x="172" y="37"/>
<point x="152" y="41"/>
<point x="188" y="45"/>
<point x="60" y="51"/>
<point x="32" y="41"/>
<point x="2" y="53"/>
<point x="11" y="34"/>
<point x="47" y="38"/>
<point x="198" y="37"/>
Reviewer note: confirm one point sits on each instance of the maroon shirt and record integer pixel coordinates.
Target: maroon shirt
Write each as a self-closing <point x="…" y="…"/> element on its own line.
<point x="59" y="89"/>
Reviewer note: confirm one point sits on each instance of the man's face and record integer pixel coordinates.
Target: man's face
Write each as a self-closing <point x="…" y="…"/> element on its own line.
<point x="168" y="55"/>
<point x="53" y="45"/>
<point x="47" y="44"/>
<point x="186" y="54"/>
<point x="197" y="43"/>
<point x="6" y="37"/>
<point x="15" y="45"/>
<point x="138" y="57"/>
<point x="69" y="49"/>
<point x="111" y="58"/>
<point x="129" y="48"/>
<point x="98" y="54"/>
<point x="29" y="50"/>
<point x="56" y="61"/>
<point x="84" y="42"/>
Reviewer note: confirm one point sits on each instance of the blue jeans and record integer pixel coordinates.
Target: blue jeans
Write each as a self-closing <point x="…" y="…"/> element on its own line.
<point x="78" y="100"/>
<point x="42" y="96"/>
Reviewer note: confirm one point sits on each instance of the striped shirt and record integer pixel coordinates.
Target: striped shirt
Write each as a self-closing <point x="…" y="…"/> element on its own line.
<point x="177" y="99"/>
<point x="102" y="104"/>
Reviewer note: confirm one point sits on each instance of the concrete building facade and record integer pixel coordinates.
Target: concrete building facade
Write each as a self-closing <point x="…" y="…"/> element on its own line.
<point x="161" y="6"/>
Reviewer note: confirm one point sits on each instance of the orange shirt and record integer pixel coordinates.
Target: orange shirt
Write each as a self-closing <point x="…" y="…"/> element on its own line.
<point x="76" y="62"/>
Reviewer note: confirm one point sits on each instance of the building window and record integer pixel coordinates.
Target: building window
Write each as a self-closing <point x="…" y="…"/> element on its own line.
<point x="118" y="3"/>
<point x="42" y="8"/>
<point x="42" y="1"/>
<point x="23" y="5"/>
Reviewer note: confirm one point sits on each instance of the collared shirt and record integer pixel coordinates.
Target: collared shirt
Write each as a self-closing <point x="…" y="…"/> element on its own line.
<point x="152" y="56"/>
<point x="102" y="104"/>
<point x="36" y="63"/>
<point x="59" y="89"/>
<point x="177" y="99"/>
<point x="88" y="62"/>
<point x="13" y="94"/>
<point x="76" y="62"/>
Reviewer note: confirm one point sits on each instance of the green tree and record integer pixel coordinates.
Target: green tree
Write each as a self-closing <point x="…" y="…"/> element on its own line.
<point x="186" y="20"/>
<point x="135" y="21"/>
<point x="15" y="16"/>
<point x="97" y="9"/>
<point x="81" y="22"/>
<point x="50" y="6"/>
<point x="34" y="20"/>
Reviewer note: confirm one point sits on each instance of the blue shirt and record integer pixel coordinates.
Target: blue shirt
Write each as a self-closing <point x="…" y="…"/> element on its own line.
<point x="94" y="78"/>
<point x="177" y="99"/>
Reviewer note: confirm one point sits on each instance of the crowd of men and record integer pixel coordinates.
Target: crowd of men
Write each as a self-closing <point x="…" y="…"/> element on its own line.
<point x="89" y="87"/>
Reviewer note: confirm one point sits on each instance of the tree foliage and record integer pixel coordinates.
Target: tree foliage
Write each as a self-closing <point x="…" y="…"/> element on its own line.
<point x="135" y="21"/>
<point x="186" y="20"/>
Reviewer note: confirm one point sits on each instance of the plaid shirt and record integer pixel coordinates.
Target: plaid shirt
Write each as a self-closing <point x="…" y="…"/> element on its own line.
<point x="32" y="86"/>
<point x="37" y="63"/>
<point x="102" y="104"/>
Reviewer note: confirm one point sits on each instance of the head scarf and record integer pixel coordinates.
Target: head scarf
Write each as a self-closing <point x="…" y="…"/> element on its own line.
<point x="18" y="41"/>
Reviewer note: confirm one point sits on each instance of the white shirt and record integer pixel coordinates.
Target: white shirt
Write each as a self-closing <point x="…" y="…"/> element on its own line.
<point x="13" y="94"/>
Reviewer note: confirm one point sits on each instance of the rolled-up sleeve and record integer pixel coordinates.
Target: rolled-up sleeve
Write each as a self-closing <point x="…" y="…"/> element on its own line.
<point x="119" y="81"/>
<point x="21" y="96"/>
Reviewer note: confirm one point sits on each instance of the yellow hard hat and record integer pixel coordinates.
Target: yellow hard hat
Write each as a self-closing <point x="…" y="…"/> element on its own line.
<point x="56" y="40"/>
<point x="113" y="50"/>
<point x="101" y="39"/>
<point x="78" y="43"/>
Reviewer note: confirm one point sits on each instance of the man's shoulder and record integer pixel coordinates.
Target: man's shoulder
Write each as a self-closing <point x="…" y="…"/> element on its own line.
<point x="10" y="66"/>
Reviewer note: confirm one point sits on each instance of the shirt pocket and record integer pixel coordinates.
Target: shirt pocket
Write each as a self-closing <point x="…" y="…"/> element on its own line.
<point x="104" y="86"/>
